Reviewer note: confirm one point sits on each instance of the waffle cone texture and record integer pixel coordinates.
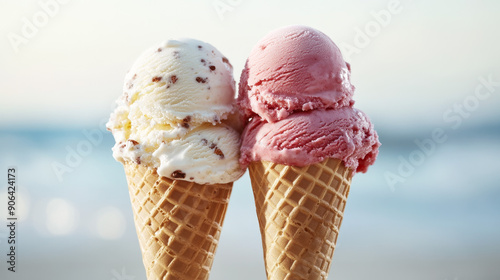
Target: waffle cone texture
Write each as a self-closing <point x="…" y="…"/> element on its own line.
<point x="178" y="223"/>
<point x="300" y="210"/>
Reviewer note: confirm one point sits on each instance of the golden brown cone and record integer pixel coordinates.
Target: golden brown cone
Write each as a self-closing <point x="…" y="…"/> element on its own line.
<point x="178" y="223"/>
<point x="300" y="210"/>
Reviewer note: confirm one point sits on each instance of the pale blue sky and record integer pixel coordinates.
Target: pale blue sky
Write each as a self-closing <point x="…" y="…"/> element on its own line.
<point x="426" y="58"/>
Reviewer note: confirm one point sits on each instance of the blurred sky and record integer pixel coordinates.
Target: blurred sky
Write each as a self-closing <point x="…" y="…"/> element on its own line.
<point x="408" y="71"/>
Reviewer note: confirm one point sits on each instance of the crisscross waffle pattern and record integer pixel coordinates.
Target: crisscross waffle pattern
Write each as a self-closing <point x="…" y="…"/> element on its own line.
<point x="300" y="210"/>
<point x="178" y="223"/>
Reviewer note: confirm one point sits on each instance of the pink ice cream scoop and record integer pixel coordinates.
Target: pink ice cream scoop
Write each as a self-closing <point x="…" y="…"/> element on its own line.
<point x="308" y="137"/>
<point x="295" y="68"/>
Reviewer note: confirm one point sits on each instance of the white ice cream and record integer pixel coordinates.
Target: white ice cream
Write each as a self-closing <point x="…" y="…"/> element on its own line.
<point x="177" y="114"/>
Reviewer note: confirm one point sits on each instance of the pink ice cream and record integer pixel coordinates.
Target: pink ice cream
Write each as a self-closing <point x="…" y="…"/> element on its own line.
<point x="308" y="137"/>
<point x="295" y="91"/>
<point x="295" y="68"/>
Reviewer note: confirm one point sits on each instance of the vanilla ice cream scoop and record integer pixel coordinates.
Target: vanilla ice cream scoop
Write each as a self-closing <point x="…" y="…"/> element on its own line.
<point x="177" y="96"/>
<point x="181" y="82"/>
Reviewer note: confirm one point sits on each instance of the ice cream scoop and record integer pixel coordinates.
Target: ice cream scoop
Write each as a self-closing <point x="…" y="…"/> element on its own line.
<point x="306" y="138"/>
<point x="295" y="68"/>
<point x="178" y="101"/>
<point x="181" y="82"/>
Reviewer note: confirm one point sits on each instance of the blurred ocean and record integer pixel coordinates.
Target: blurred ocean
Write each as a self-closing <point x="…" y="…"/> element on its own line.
<point x="440" y="220"/>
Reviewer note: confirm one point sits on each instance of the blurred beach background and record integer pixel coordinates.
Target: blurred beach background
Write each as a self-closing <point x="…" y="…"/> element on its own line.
<point x="426" y="72"/>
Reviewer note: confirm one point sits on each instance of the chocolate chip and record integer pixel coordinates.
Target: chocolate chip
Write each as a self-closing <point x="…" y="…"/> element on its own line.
<point x="218" y="152"/>
<point x="199" y="47"/>
<point x="225" y="60"/>
<point x="156" y="79"/>
<point x="173" y="79"/>
<point x="122" y="145"/>
<point x="214" y="147"/>
<point x="201" y="80"/>
<point x="191" y="178"/>
<point x="135" y="76"/>
<point x="212" y="68"/>
<point x="178" y="174"/>
<point x="159" y="49"/>
<point x="133" y="142"/>
<point x="185" y="122"/>
<point x="138" y="160"/>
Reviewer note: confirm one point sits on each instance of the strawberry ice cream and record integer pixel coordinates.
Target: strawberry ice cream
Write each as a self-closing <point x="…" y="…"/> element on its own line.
<point x="295" y="68"/>
<point x="308" y="137"/>
<point x="296" y="94"/>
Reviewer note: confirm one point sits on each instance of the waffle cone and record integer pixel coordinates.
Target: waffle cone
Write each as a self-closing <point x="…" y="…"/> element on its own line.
<point x="300" y="210"/>
<point x="178" y="223"/>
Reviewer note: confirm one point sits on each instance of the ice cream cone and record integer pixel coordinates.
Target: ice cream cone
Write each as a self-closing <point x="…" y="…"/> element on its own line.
<point x="178" y="223"/>
<point x="300" y="210"/>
